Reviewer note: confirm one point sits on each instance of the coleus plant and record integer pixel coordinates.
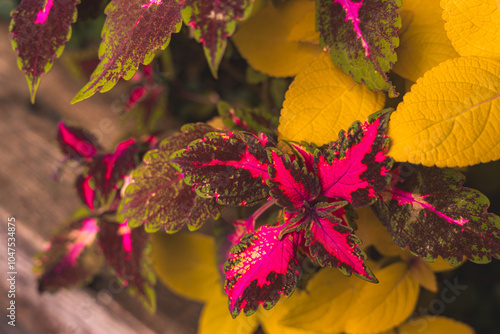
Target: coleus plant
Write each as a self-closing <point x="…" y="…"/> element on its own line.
<point x="306" y="183"/>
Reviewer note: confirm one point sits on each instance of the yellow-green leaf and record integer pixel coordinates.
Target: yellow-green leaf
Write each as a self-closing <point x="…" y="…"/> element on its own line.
<point x="451" y="117"/>
<point x="269" y="40"/>
<point x="215" y="317"/>
<point x="185" y="262"/>
<point x="423" y="41"/>
<point x="473" y="26"/>
<point x="382" y="306"/>
<point x="440" y="265"/>
<point x="322" y="100"/>
<point x="434" y="325"/>
<point x="271" y="320"/>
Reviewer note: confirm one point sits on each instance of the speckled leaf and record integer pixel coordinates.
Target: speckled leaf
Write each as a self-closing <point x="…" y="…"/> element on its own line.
<point x="292" y="185"/>
<point x="109" y="170"/>
<point x="40" y="29"/>
<point x="157" y="195"/>
<point x="255" y="120"/>
<point x="133" y="31"/>
<point x="431" y="213"/>
<point x="230" y="167"/>
<point x="332" y="243"/>
<point x="261" y="268"/>
<point x="213" y="22"/>
<point x="76" y="143"/>
<point x="361" y="37"/>
<point x="355" y="167"/>
<point x="128" y="254"/>
<point x="71" y="259"/>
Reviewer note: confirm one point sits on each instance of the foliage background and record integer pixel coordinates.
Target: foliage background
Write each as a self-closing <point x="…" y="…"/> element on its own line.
<point x="194" y="93"/>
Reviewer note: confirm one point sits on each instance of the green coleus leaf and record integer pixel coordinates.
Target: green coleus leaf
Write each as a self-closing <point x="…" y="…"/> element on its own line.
<point x="429" y="211"/>
<point x="230" y="167"/>
<point x="255" y="120"/>
<point x="128" y="254"/>
<point x="72" y="258"/>
<point x="157" y="195"/>
<point x="40" y="29"/>
<point x="361" y="37"/>
<point x="213" y="22"/>
<point x="133" y="31"/>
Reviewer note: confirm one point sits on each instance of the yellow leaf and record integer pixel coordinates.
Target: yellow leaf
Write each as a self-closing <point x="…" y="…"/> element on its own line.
<point x="373" y="233"/>
<point x="323" y="307"/>
<point x="271" y="319"/>
<point x="451" y="116"/>
<point x="382" y="306"/>
<point x="423" y="41"/>
<point x="441" y="265"/>
<point x="473" y="26"/>
<point x="423" y="273"/>
<point x="216" y="318"/>
<point x="305" y="30"/>
<point x="322" y="100"/>
<point x="185" y="262"/>
<point x="434" y="325"/>
<point x="263" y="40"/>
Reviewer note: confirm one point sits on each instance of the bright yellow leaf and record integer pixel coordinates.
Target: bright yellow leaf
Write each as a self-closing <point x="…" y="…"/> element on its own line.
<point x="423" y="40"/>
<point x="215" y="317"/>
<point x="185" y="262"/>
<point x="373" y="233"/>
<point x="434" y="325"/>
<point x="381" y="306"/>
<point x="451" y="117"/>
<point x="322" y="100"/>
<point x="323" y="307"/>
<point x="473" y="26"/>
<point x="263" y="40"/>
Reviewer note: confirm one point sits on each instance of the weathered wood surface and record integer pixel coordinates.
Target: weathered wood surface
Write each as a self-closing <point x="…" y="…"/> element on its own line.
<point x="28" y="158"/>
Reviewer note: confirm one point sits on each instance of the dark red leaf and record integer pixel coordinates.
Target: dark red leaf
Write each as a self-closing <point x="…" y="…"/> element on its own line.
<point x="40" y="29"/>
<point x="157" y="194"/>
<point x="71" y="259"/>
<point x="230" y="167"/>
<point x="430" y="212"/>
<point x="128" y="254"/>
<point x="76" y="143"/>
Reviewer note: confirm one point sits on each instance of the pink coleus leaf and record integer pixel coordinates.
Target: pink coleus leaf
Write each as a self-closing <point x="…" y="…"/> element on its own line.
<point x="128" y="253"/>
<point x="109" y="170"/>
<point x="71" y="259"/>
<point x="361" y="36"/>
<point x="157" y="195"/>
<point x="355" y="167"/>
<point x="76" y="143"/>
<point x="132" y="33"/>
<point x="332" y="243"/>
<point x="40" y="29"/>
<point x="293" y="186"/>
<point x="261" y="268"/>
<point x="429" y="211"/>
<point x="230" y="167"/>
<point x="213" y="22"/>
<point x="85" y="191"/>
